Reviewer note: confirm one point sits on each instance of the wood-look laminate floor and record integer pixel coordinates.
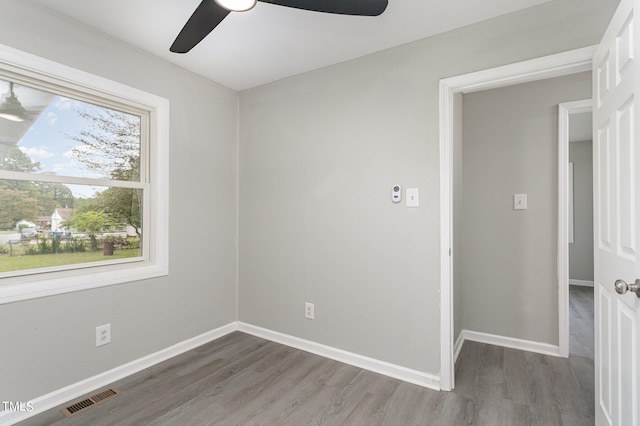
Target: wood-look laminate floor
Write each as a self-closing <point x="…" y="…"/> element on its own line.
<point x="244" y="380"/>
<point x="581" y="321"/>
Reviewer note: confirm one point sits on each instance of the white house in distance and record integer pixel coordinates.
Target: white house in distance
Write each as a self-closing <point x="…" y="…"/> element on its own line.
<point x="58" y="217"/>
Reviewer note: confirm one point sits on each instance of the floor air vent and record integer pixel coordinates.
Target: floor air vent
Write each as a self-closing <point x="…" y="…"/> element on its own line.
<point x="89" y="402"/>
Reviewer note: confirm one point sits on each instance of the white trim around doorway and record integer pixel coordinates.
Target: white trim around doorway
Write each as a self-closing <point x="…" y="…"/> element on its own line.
<point x="557" y="65"/>
<point x="565" y="110"/>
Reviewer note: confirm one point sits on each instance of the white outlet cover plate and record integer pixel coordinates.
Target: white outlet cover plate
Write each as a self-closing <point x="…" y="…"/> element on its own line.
<point x="309" y="311"/>
<point x="103" y="334"/>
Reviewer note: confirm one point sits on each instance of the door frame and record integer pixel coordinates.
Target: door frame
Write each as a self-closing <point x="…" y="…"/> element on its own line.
<point x="565" y="110"/>
<point x="557" y="65"/>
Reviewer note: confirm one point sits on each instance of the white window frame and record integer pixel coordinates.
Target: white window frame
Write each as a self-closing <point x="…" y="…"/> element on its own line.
<point x="155" y="260"/>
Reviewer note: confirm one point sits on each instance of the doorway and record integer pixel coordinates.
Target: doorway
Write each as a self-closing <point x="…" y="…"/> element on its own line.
<point x="450" y="90"/>
<point x="575" y="140"/>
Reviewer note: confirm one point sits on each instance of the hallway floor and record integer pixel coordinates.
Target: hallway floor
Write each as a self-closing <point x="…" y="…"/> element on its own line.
<point x="581" y="321"/>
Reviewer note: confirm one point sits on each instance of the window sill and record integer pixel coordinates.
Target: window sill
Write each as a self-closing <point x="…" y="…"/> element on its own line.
<point x="49" y="284"/>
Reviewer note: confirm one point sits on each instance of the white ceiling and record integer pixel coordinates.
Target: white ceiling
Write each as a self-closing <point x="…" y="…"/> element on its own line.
<point x="272" y="42"/>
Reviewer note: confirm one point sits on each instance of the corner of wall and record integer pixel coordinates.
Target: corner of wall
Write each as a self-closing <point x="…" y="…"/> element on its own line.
<point x="237" y="200"/>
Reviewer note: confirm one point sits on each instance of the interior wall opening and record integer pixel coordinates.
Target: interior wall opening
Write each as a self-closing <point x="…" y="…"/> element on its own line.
<point x="580" y="229"/>
<point x="505" y="262"/>
<point x="563" y="64"/>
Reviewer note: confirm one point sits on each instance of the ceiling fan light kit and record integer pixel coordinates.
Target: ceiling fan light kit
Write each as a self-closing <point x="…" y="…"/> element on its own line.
<point x="11" y="109"/>
<point x="237" y="5"/>
<point x="210" y="13"/>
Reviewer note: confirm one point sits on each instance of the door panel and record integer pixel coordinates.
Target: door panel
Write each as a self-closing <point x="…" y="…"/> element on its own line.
<point x="603" y="176"/>
<point x="627" y="390"/>
<point x="603" y="371"/>
<point x="616" y="84"/>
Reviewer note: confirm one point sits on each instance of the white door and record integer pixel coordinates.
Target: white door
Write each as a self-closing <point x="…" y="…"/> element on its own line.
<point x="616" y="92"/>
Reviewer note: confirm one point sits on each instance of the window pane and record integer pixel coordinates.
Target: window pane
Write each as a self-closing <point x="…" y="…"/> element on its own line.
<point x="46" y="224"/>
<point x="41" y="132"/>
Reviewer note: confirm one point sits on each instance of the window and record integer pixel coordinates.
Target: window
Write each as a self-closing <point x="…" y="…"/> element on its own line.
<point x="83" y="178"/>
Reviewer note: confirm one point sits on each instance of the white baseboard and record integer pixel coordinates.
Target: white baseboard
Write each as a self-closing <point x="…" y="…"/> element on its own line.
<point x="457" y="347"/>
<point x="510" y="342"/>
<point x="581" y="282"/>
<point x="76" y="390"/>
<point x="416" y="377"/>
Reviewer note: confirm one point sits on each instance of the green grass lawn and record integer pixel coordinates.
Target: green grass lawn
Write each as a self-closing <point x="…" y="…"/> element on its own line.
<point x="15" y="263"/>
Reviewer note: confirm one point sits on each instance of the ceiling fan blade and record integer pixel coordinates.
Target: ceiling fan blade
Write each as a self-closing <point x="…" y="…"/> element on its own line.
<point x="206" y="17"/>
<point x="342" y="7"/>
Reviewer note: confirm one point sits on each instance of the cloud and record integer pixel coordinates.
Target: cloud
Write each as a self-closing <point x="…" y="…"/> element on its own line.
<point x="65" y="104"/>
<point x="51" y="118"/>
<point x="37" y="153"/>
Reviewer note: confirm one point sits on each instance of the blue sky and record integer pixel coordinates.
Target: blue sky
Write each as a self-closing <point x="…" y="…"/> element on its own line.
<point x="48" y="141"/>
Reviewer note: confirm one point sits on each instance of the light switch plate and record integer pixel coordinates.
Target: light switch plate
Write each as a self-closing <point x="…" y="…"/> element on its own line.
<point x="519" y="201"/>
<point x="413" y="197"/>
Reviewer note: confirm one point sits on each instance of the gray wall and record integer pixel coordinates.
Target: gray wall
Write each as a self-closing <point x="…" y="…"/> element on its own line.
<point x="581" y="251"/>
<point x="50" y="343"/>
<point x="510" y="146"/>
<point x="319" y="153"/>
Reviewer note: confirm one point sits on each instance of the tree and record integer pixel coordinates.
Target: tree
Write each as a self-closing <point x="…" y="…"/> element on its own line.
<point x="16" y="196"/>
<point x="87" y="204"/>
<point x="111" y="143"/>
<point x="91" y="222"/>
<point x="49" y="195"/>
<point x="18" y="161"/>
<point x="16" y="205"/>
<point x="123" y="205"/>
<point x="111" y="147"/>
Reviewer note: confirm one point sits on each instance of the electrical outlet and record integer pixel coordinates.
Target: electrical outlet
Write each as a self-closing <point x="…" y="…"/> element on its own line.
<point x="103" y="334"/>
<point x="309" y="311"/>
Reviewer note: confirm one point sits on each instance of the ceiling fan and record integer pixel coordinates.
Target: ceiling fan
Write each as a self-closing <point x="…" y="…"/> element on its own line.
<point x="210" y="13"/>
